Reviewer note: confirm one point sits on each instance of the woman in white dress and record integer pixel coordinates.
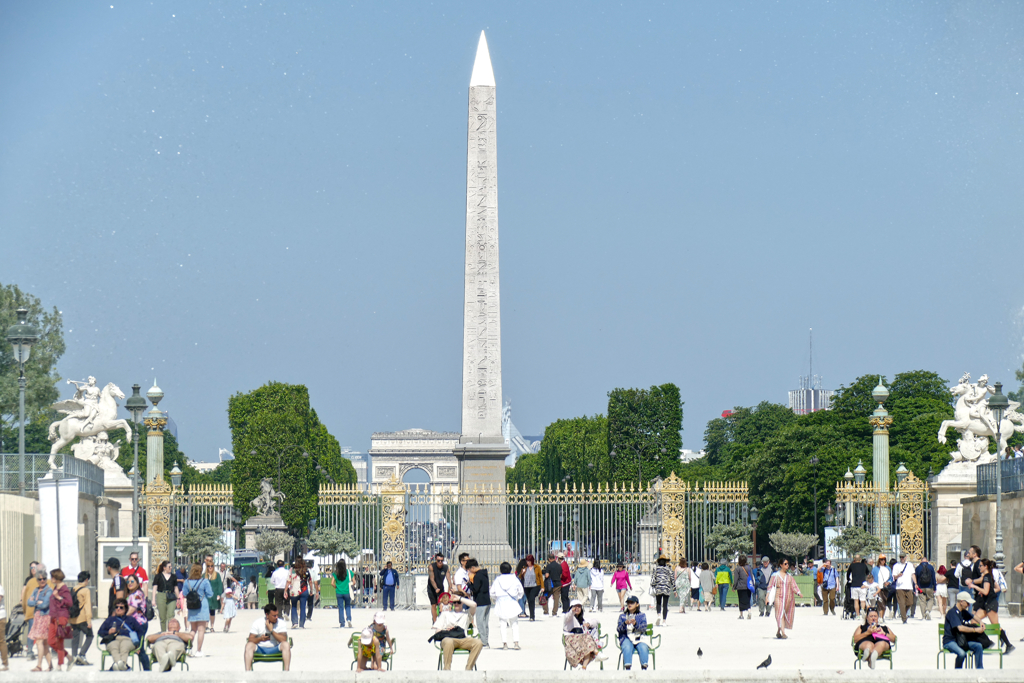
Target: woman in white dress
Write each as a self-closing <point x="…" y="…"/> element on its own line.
<point x="506" y="592"/>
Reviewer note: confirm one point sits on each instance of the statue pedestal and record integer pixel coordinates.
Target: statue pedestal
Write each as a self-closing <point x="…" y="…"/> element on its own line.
<point x="255" y="525"/>
<point x="483" y="514"/>
<point x="956" y="481"/>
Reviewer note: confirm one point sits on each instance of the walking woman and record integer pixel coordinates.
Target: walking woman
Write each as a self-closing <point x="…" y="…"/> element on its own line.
<point x="197" y="592"/>
<point x="942" y="588"/>
<point x="60" y="626"/>
<point x="532" y="580"/>
<point x="521" y="575"/>
<point x="40" y="632"/>
<point x="682" y="584"/>
<point x="723" y="579"/>
<point x="784" y="588"/>
<point x="661" y="587"/>
<point x="620" y="582"/>
<point x="136" y="598"/>
<point x="597" y="586"/>
<point x="986" y="600"/>
<point x="740" y="584"/>
<point x="341" y="579"/>
<point x="707" y="585"/>
<point x="299" y="590"/>
<point x="506" y="592"/>
<point x="165" y="593"/>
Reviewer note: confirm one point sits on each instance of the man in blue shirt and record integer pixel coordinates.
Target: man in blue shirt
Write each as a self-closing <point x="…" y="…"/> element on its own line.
<point x="959" y="619"/>
<point x="829" y="581"/>
<point x="926" y="583"/>
<point x="389" y="581"/>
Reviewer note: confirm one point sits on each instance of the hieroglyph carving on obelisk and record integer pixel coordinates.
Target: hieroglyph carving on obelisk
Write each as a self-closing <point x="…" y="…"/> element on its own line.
<point x="481" y="370"/>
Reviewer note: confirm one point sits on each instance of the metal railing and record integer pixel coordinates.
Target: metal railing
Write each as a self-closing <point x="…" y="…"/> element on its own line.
<point x="899" y="517"/>
<point x="1013" y="476"/>
<point x="90" y="476"/>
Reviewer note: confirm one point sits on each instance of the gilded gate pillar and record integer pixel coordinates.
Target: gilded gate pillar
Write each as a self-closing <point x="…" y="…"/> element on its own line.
<point x="158" y="522"/>
<point x="911" y="493"/>
<point x="673" y="517"/>
<point x="393" y="519"/>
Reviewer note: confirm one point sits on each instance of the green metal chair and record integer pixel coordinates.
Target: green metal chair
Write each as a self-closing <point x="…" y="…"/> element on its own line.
<point x="458" y="651"/>
<point x="858" y="654"/>
<point x="181" y="661"/>
<point x="653" y="643"/>
<point x="386" y="659"/>
<point x="993" y="631"/>
<point x="133" y="657"/>
<point x="265" y="658"/>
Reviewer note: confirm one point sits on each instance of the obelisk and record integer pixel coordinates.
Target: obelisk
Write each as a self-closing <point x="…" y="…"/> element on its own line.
<point x="482" y="450"/>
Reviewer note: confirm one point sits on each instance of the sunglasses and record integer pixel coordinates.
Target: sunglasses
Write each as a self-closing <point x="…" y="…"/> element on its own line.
<point x="119" y="607"/>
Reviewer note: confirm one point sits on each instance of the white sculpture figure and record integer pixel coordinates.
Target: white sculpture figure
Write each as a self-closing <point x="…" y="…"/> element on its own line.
<point x="264" y="503"/>
<point x="975" y="422"/>
<point x="78" y="421"/>
<point x="88" y="394"/>
<point x="99" y="451"/>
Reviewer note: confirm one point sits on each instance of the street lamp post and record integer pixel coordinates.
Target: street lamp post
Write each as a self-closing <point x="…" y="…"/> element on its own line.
<point x="998" y="404"/>
<point x="135" y="405"/>
<point x="753" y="522"/>
<point x="175" y="483"/>
<point x="22" y="336"/>
<point x="814" y="464"/>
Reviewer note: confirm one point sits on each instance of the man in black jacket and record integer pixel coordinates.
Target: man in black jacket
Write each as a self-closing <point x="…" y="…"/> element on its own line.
<point x="855" y="577"/>
<point x="480" y="585"/>
<point x="553" y="577"/>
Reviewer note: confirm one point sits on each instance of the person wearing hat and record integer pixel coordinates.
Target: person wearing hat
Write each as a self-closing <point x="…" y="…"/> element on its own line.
<point x="905" y="581"/>
<point x="581" y="580"/>
<point x="379" y="627"/>
<point x="454" y="617"/>
<point x="762" y="575"/>
<point x="228" y="608"/>
<point x="959" y="619"/>
<point x="579" y="635"/>
<point x="631" y="627"/>
<point x="661" y="587"/>
<point x="369" y="651"/>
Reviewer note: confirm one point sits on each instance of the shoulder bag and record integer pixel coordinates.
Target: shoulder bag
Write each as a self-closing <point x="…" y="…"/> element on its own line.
<point x="770" y="600"/>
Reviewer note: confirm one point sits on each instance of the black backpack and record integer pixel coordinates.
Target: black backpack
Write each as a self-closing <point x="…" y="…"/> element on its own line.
<point x="74" y="609"/>
<point x="192" y="599"/>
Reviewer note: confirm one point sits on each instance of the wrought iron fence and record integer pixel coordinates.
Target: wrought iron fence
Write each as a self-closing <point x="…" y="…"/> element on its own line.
<point x="899" y="517"/>
<point x="1012" y="472"/>
<point x="178" y="510"/>
<point x="90" y="476"/>
<point x="409" y="523"/>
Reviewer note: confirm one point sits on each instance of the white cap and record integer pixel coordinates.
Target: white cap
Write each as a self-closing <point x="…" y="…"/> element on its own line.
<point x="378" y="617"/>
<point x="367" y="637"/>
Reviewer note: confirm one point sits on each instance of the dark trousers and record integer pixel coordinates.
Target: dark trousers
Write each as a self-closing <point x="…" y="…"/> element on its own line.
<point x="280" y="601"/>
<point x="80" y="632"/>
<point x="661" y="605"/>
<point x="531" y="598"/>
<point x="565" y="597"/>
<point x="828" y="600"/>
<point x="388" y="594"/>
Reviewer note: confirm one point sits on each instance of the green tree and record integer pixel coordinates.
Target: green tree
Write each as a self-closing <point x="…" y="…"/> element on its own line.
<point x="41" y="369"/>
<point x="793" y="545"/>
<point x="195" y="543"/>
<point x="328" y="541"/>
<point x="272" y="428"/>
<point x="729" y="539"/>
<point x="644" y="433"/>
<point x="274" y="543"/>
<point x="1018" y="395"/>
<point x="853" y="540"/>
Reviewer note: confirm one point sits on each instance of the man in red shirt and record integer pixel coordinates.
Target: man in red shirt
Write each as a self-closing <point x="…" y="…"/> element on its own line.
<point x="566" y="582"/>
<point x="133" y="569"/>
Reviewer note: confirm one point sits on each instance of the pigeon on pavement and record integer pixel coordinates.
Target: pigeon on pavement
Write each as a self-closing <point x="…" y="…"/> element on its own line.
<point x="700" y="653"/>
<point x="766" y="663"/>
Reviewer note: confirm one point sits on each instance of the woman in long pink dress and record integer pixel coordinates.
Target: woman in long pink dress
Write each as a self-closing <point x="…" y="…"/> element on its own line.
<point x="786" y="591"/>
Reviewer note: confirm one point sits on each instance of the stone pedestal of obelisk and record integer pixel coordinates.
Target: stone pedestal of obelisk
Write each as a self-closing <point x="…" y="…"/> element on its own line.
<point x="482" y="450"/>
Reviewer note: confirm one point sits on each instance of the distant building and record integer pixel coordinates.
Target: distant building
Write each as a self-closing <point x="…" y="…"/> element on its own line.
<point x="687" y="455"/>
<point x="810" y="397"/>
<point x="361" y="463"/>
<point x="204" y="467"/>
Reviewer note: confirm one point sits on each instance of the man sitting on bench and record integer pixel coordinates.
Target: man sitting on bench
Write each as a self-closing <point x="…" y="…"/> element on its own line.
<point x="268" y="636"/>
<point x="456" y="617"/>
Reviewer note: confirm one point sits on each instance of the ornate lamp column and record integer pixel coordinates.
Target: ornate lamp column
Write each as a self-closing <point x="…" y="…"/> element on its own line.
<point x="998" y="404"/>
<point x="880" y="420"/>
<point x="22" y="336"/>
<point x="158" y="491"/>
<point x="135" y="405"/>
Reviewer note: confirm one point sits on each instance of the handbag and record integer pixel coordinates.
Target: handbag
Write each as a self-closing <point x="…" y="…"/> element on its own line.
<point x="772" y="592"/>
<point x="750" y="582"/>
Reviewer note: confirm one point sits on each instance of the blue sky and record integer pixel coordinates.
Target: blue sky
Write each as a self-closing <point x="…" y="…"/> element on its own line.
<point x="223" y="194"/>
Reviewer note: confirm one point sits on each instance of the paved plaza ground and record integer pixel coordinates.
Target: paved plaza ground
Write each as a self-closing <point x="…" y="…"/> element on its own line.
<point x="816" y="642"/>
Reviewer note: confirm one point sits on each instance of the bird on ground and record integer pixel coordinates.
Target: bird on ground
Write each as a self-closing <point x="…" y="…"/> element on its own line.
<point x="766" y="663"/>
<point x="700" y="653"/>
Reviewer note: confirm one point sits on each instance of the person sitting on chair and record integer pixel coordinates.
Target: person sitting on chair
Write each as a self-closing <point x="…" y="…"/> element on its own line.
<point x="268" y="636"/>
<point x="959" y="618"/>
<point x="169" y="645"/>
<point x="872" y="638"/>
<point x="380" y="630"/>
<point x="631" y="628"/>
<point x="450" y="620"/>
<point x="120" y="634"/>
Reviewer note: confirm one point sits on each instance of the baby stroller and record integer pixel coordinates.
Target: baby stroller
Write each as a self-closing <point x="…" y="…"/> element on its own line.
<point x="15" y="627"/>
<point x="848" y="606"/>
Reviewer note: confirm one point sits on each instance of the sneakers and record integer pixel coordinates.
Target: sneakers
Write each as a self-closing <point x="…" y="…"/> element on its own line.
<point x="748" y="615"/>
<point x="197" y="654"/>
<point x="658" y="622"/>
<point x="71" y="663"/>
<point x="120" y="666"/>
<point x="1009" y="648"/>
<point x="601" y="657"/>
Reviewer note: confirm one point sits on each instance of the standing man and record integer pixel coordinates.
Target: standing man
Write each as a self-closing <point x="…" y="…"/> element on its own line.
<point x="968" y="572"/>
<point x="553" y="573"/>
<point x="925" y="574"/>
<point x="855" y="577"/>
<point x="761" y="577"/>
<point x="389" y="582"/>
<point x="117" y="584"/>
<point x="133" y="569"/>
<point x="904" y="579"/>
<point x="829" y="582"/>
<point x="480" y="587"/>
<point x="314" y="593"/>
<point x="279" y="580"/>
<point x="566" y="582"/>
<point x="436" y="579"/>
<point x="462" y="574"/>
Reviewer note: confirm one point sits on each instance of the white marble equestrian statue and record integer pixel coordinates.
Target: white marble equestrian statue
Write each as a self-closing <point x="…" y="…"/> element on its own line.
<point x="80" y="420"/>
<point x="975" y="422"/>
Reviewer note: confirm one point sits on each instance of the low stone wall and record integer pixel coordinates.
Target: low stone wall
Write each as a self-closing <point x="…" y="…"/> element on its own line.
<point x="798" y="676"/>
